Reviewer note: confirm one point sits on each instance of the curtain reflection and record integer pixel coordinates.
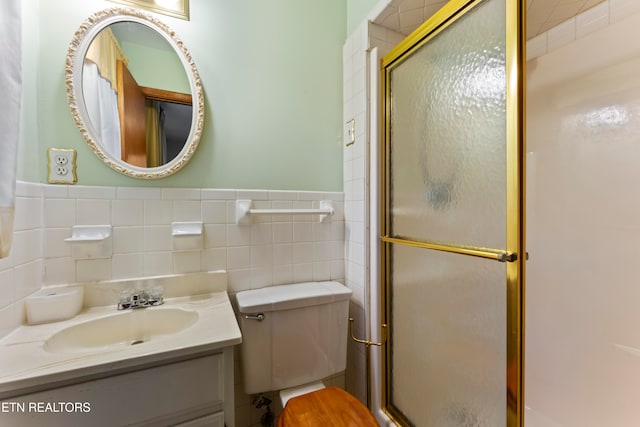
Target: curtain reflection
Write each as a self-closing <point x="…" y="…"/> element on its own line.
<point x="101" y="101"/>
<point x="156" y="137"/>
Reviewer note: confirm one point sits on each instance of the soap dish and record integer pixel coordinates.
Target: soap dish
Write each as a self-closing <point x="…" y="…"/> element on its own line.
<point x="90" y="241"/>
<point x="187" y="235"/>
<point x="53" y="304"/>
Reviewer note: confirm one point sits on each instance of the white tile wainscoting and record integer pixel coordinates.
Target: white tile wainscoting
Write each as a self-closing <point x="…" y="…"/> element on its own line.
<point x="272" y="250"/>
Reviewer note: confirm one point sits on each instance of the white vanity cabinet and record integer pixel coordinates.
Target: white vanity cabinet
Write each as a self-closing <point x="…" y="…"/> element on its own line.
<point x="144" y="367"/>
<point x="188" y="392"/>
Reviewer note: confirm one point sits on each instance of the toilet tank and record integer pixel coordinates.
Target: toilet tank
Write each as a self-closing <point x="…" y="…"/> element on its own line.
<point x="301" y="338"/>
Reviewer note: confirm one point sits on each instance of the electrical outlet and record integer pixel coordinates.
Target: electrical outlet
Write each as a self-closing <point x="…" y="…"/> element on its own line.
<point x="61" y="165"/>
<point x="61" y="159"/>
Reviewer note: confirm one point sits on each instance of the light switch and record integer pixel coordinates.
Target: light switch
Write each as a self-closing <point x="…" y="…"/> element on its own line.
<point x="350" y="132"/>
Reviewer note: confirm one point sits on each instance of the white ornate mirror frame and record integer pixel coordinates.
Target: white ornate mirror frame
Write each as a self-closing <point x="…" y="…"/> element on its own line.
<point x="73" y="79"/>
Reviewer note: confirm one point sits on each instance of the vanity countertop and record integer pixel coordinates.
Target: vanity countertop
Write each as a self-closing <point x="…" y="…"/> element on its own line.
<point x="26" y="364"/>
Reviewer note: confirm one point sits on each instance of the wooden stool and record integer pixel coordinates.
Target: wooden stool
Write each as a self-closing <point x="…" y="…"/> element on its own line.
<point x="327" y="407"/>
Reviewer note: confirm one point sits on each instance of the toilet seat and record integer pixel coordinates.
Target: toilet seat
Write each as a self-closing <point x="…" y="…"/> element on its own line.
<point x="327" y="407"/>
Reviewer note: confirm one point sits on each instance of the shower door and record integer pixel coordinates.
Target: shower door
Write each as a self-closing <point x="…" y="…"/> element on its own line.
<point x="452" y="209"/>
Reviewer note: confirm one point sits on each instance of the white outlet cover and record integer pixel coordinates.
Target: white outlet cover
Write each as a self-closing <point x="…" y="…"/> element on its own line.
<point x="61" y="165"/>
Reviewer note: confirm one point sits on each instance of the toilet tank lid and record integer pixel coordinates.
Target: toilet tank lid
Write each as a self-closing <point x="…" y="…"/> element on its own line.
<point x="286" y="297"/>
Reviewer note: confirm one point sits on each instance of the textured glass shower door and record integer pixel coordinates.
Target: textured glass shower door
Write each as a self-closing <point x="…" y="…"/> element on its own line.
<point x="452" y="210"/>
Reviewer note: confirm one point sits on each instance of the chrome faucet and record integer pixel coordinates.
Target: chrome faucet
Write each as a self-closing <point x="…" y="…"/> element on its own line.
<point x="140" y="299"/>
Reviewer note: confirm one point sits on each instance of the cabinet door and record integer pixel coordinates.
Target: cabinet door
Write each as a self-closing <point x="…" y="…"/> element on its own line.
<point x="159" y="396"/>
<point x="213" y="420"/>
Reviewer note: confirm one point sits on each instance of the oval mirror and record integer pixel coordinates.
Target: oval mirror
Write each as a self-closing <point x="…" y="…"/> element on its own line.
<point x="134" y="93"/>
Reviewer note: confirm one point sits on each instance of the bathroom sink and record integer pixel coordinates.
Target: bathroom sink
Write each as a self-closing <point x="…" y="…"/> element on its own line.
<point x="121" y="329"/>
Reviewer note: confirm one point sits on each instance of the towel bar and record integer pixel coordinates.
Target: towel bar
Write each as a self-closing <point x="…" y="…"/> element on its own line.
<point x="244" y="210"/>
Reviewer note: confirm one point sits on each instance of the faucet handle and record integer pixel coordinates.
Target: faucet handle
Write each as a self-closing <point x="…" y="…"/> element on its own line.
<point x="156" y="296"/>
<point x="140" y="298"/>
<point x="124" y="300"/>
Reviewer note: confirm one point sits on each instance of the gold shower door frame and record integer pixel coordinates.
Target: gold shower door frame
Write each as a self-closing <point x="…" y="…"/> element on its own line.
<point x="514" y="255"/>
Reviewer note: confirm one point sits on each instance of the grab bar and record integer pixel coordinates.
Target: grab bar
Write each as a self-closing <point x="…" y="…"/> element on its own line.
<point x="244" y="210"/>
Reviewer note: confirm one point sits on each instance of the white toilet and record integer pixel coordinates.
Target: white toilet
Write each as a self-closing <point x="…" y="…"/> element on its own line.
<point x="293" y="336"/>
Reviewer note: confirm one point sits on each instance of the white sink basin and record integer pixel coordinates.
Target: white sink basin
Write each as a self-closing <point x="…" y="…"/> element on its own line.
<point x="124" y="328"/>
<point x="196" y="318"/>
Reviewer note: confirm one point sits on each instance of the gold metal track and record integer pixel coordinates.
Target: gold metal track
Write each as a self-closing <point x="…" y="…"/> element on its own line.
<point x="516" y="209"/>
<point x="440" y="20"/>
<point x="515" y="223"/>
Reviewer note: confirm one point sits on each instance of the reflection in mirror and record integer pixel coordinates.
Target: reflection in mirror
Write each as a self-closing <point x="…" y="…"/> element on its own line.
<point x="135" y="93"/>
<point x="133" y="83"/>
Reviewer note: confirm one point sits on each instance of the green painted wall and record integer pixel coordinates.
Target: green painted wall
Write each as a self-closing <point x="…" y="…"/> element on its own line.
<point x="272" y="77"/>
<point x="156" y="68"/>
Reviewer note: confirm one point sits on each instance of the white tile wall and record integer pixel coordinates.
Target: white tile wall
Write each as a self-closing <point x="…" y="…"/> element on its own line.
<point x="592" y="20"/>
<point x="355" y="178"/>
<point x="585" y="23"/>
<point x="537" y="46"/>
<point x="620" y="9"/>
<point x="21" y="271"/>
<point x="404" y="16"/>
<point x="356" y="181"/>
<point x="562" y="34"/>
<point x="383" y="38"/>
<point x="271" y="250"/>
